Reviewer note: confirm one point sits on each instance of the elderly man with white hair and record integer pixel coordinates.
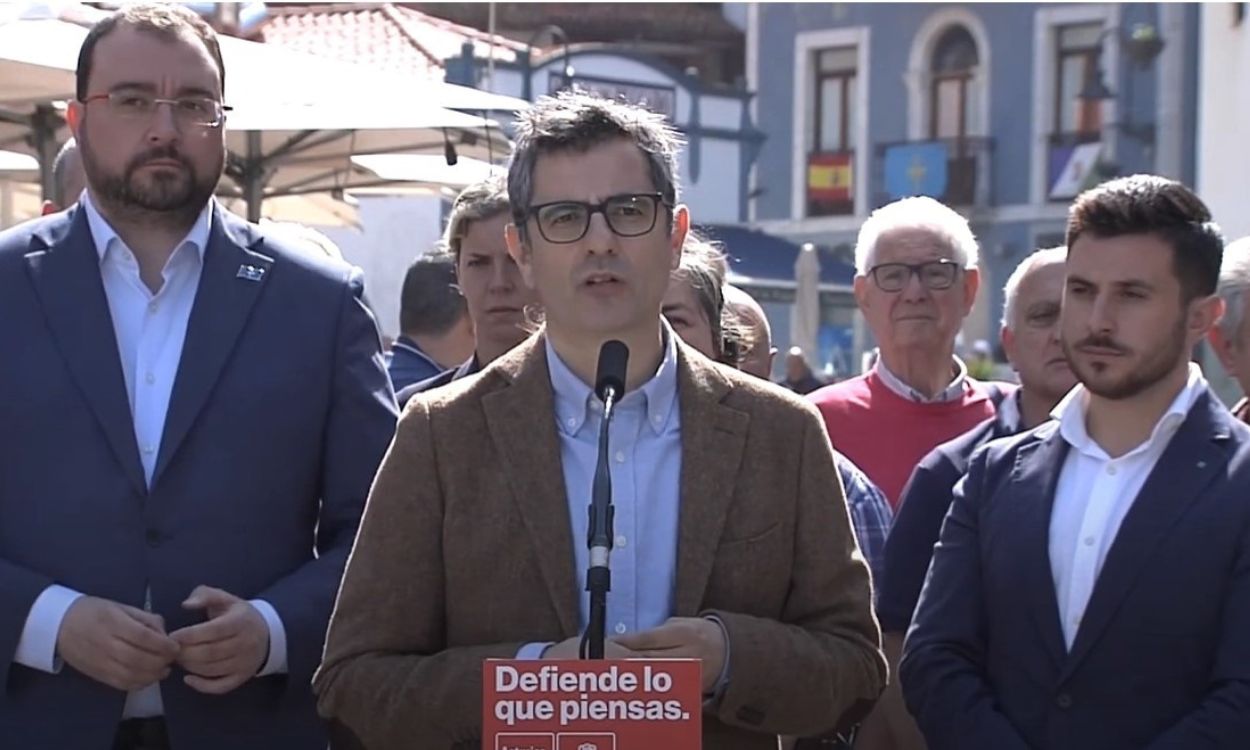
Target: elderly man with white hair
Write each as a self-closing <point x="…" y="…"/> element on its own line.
<point x="1231" y="338"/>
<point x="917" y="277"/>
<point x="1032" y="300"/>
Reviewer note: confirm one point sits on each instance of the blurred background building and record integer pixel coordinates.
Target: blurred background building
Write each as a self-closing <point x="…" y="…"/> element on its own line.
<point x="800" y="119"/>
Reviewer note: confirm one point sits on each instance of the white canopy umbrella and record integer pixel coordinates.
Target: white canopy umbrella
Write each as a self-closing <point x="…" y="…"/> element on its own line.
<point x="20" y="199"/>
<point x="320" y="141"/>
<point x="318" y="209"/>
<point x="38" y="57"/>
<point x="417" y="172"/>
<point x="15" y="165"/>
<point x="34" y="71"/>
<point x="805" y="314"/>
<point x="33" y="65"/>
<point x="290" y="109"/>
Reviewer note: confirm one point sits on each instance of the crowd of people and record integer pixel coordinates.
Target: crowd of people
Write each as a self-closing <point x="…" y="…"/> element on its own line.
<point x="229" y="518"/>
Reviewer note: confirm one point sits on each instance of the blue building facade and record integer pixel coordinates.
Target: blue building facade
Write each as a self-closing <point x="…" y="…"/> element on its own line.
<point x="1003" y="111"/>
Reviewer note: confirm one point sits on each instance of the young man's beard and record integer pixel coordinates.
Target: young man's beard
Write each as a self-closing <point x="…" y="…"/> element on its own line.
<point x="1160" y="360"/>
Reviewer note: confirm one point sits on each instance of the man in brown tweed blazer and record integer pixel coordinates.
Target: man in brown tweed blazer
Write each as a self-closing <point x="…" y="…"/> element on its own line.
<point x="470" y="541"/>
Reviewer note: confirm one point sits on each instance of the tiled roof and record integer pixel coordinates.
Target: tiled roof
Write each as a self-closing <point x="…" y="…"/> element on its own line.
<point x="382" y="35"/>
<point x="692" y="23"/>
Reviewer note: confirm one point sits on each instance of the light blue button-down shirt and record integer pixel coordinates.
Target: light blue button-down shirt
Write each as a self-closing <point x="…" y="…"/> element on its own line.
<point x="644" y="443"/>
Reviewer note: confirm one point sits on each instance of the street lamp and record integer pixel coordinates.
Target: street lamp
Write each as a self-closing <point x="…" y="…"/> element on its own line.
<point x="527" y="85"/>
<point x="1142" y="45"/>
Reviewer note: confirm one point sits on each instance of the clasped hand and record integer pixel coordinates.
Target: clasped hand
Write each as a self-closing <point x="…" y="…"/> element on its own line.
<point x="127" y="648"/>
<point x="678" y="638"/>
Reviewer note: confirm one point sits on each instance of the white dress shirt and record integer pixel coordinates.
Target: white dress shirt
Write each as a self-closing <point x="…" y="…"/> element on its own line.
<point x="150" y="329"/>
<point x="1095" y="492"/>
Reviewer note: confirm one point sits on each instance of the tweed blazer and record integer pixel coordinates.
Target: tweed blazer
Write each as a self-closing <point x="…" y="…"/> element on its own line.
<point x="465" y="554"/>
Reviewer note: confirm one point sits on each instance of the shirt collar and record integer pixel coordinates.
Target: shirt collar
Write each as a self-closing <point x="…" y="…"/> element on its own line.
<point x="952" y="392"/>
<point x="575" y="401"/>
<point x="105" y="237"/>
<point x="1009" y="414"/>
<point x="1071" y="409"/>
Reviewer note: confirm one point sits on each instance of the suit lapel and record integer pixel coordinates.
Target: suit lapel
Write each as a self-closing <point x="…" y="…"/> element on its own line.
<point x="1033" y="481"/>
<point x="65" y="271"/>
<point x="529" y="450"/>
<point x="230" y="283"/>
<point x="1192" y="459"/>
<point x="713" y="438"/>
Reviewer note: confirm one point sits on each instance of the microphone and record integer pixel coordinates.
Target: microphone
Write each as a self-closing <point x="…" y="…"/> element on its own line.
<point x="610" y="375"/>
<point x="609" y="386"/>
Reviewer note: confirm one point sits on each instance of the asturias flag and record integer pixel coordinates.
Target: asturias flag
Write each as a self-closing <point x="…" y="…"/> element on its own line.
<point x="916" y="169"/>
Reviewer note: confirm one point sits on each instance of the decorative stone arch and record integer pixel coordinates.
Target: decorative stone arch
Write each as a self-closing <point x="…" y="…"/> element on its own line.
<point x="919" y="74"/>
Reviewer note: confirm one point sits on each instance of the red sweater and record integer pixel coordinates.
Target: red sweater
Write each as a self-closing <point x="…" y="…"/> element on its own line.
<point x="886" y="435"/>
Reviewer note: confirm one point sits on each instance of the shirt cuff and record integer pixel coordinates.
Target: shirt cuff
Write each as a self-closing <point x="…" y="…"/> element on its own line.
<point x="276" y="662"/>
<point x="723" y="680"/>
<point x="533" y="651"/>
<point x="37" y="646"/>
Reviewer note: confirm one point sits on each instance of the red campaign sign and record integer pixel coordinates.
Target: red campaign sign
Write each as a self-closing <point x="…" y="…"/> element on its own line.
<point x="619" y="704"/>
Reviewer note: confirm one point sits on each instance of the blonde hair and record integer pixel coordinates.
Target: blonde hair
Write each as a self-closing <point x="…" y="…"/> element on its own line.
<point x="477" y="202"/>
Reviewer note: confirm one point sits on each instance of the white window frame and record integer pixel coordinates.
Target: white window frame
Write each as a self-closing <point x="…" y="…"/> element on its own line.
<point x="1047" y="21"/>
<point x="919" y="75"/>
<point x="753" y="85"/>
<point x="1170" y="92"/>
<point x="806" y="43"/>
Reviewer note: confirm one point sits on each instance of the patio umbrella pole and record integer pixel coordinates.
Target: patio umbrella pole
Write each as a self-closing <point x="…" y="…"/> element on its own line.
<point x="253" y="177"/>
<point x="43" y="126"/>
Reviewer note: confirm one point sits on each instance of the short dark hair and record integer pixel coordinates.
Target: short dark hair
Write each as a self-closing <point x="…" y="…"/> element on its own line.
<point x="1149" y="204"/>
<point x="166" y="20"/>
<point x="577" y="121"/>
<point x="430" y="302"/>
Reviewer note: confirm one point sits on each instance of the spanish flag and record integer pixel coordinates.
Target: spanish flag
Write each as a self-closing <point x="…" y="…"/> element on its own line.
<point x="829" y="177"/>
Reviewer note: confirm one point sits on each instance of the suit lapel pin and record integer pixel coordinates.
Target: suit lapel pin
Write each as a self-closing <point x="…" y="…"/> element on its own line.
<point x="251" y="273"/>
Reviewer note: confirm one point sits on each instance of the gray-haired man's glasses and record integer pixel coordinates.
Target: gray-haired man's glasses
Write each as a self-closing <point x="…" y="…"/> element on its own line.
<point x="935" y="274"/>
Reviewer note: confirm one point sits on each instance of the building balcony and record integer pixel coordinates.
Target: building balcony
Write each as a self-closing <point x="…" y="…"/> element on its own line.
<point x="955" y="171"/>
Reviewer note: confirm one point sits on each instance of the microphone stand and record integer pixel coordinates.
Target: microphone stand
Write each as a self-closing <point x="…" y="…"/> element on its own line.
<point x="599" y="535"/>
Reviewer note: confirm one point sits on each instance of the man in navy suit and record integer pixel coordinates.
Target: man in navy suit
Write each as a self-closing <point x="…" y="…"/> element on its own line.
<point x="1091" y="588"/>
<point x="193" y="413"/>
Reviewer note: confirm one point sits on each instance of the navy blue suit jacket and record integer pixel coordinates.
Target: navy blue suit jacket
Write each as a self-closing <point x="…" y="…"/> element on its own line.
<point x="923" y="505"/>
<point x="279" y="416"/>
<point x="466" y="368"/>
<point x="407" y="367"/>
<point x="1162" y="657"/>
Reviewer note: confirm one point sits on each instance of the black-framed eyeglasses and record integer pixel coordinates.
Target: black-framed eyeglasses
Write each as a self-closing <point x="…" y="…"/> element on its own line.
<point x="628" y="215"/>
<point x="934" y="274"/>
<point x="200" y="111"/>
